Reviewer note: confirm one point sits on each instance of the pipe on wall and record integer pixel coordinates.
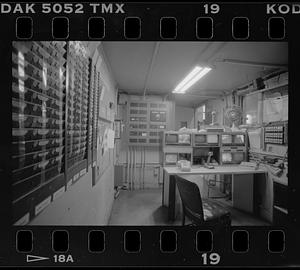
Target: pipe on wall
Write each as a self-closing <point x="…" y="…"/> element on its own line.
<point x="251" y="63"/>
<point x="144" y="164"/>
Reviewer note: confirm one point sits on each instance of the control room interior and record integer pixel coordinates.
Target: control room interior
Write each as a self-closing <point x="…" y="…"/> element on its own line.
<point x="167" y="130"/>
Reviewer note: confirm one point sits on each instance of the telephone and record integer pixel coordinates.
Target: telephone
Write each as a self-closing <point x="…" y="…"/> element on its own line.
<point x="184" y="165"/>
<point x="208" y="164"/>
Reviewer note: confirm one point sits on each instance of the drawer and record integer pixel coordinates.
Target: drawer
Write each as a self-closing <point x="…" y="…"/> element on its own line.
<point x="53" y="83"/>
<point x="22" y="207"/>
<point x="26" y="121"/>
<point x="52" y="113"/>
<point x="55" y="104"/>
<point x="29" y="57"/>
<point x="53" y="172"/>
<point x="77" y="113"/>
<point x="77" y="127"/>
<point x="55" y="52"/>
<point x="76" y="139"/>
<point x="21" y="188"/>
<point x="23" y="147"/>
<point x="57" y="161"/>
<point x="25" y="160"/>
<point x="77" y="119"/>
<point x="21" y="107"/>
<point x="71" y="162"/>
<point x="51" y="92"/>
<point x="29" y="171"/>
<point x="35" y="134"/>
<point x="53" y="153"/>
<point x="59" y="46"/>
<point x="40" y="167"/>
<point x="31" y="71"/>
<point x="19" y="91"/>
<point x="20" y="88"/>
<point x="28" y="134"/>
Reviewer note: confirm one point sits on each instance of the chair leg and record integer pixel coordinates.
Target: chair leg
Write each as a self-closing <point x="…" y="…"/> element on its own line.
<point x="183" y="216"/>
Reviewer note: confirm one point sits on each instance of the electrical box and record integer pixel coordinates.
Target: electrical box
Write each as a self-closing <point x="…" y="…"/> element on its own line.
<point x="146" y="120"/>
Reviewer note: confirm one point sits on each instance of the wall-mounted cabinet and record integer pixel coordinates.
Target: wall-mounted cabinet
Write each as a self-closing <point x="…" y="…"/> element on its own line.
<point x="55" y="106"/>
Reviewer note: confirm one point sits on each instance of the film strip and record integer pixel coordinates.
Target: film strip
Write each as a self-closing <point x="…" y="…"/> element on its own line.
<point x="52" y="94"/>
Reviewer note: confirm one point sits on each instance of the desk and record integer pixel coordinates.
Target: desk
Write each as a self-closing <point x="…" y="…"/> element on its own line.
<point x="242" y="184"/>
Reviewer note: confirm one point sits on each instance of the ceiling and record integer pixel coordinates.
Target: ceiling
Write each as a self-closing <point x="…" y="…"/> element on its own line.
<point x="157" y="67"/>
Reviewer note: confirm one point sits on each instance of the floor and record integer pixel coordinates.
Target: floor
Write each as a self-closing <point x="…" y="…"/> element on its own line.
<point x="144" y="207"/>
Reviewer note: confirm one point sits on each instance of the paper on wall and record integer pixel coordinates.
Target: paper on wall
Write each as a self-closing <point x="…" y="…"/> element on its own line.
<point x="111" y="139"/>
<point x="99" y="61"/>
<point x="285" y="105"/>
<point x="102" y="92"/>
<point x="95" y="56"/>
<point x="275" y="109"/>
<point x="105" y="141"/>
<point x="255" y="138"/>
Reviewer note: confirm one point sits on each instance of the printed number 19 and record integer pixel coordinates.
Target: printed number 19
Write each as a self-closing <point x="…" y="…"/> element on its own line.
<point x="214" y="258"/>
<point x="213" y="8"/>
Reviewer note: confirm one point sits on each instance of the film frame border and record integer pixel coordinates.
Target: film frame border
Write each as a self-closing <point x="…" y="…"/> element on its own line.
<point x="38" y="228"/>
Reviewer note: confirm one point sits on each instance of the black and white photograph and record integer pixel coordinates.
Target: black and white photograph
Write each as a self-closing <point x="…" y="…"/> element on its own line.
<point x="146" y="133"/>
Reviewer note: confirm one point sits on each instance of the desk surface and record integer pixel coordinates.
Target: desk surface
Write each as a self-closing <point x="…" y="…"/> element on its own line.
<point x="230" y="169"/>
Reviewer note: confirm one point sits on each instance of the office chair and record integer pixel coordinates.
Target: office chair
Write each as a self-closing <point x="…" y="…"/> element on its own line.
<point x="200" y="211"/>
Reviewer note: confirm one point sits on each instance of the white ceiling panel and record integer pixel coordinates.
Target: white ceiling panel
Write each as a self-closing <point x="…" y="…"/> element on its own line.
<point x="130" y="63"/>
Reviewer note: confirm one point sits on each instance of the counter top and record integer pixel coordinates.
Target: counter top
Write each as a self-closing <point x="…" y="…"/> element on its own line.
<point x="230" y="169"/>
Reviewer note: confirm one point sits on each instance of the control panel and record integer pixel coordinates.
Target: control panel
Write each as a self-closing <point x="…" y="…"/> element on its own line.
<point x="276" y="133"/>
<point x="146" y="120"/>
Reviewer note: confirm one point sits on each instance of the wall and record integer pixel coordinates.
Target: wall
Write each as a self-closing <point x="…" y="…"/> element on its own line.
<point x="83" y="204"/>
<point x="184" y="114"/>
<point x="218" y="105"/>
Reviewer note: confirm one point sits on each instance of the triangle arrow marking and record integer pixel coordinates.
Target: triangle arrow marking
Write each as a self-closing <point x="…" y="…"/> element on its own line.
<point x="33" y="258"/>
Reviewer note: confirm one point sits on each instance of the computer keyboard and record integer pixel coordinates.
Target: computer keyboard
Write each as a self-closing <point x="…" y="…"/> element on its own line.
<point x="248" y="164"/>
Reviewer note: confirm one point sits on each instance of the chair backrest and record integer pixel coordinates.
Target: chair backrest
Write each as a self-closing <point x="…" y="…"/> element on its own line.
<point x="190" y="197"/>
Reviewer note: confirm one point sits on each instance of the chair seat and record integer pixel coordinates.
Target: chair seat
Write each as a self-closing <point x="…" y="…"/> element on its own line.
<point x="213" y="210"/>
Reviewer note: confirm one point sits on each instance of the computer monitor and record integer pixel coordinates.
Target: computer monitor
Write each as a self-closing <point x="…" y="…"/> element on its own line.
<point x="226" y="157"/>
<point x="184" y="156"/>
<point x="171" y="158"/>
<point x="239" y="139"/>
<point x="226" y="139"/>
<point x="212" y="138"/>
<point x="184" y="138"/>
<point x="200" y="138"/>
<point x="238" y="157"/>
<point x="171" y="138"/>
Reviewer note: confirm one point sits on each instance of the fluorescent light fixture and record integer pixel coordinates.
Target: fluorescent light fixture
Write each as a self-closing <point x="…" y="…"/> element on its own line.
<point x="195" y="75"/>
